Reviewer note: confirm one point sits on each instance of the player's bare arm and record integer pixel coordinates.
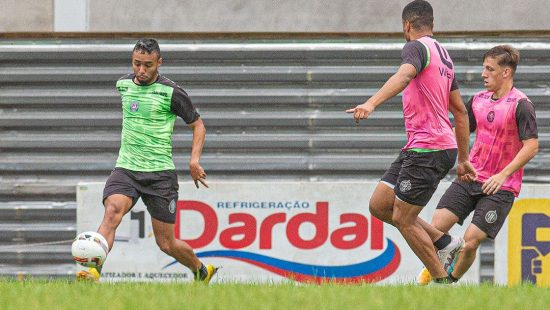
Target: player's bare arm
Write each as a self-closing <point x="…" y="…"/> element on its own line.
<point x="195" y="169"/>
<point x="393" y="86"/>
<point x="529" y="149"/>
<point x="465" y="170"/>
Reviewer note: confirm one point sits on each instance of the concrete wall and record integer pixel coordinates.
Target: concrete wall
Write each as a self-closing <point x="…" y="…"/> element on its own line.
<point x="274" y="15"/>
<point x="26" y="15"/>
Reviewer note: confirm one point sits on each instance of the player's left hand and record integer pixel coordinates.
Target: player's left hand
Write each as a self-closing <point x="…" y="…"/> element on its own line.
<point x="493" y="184"/>
<point x="362" y="111"/>
<point x="198" y="174"/>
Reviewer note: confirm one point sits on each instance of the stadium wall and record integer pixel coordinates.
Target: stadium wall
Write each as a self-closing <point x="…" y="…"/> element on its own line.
<point x="264" y="16"/>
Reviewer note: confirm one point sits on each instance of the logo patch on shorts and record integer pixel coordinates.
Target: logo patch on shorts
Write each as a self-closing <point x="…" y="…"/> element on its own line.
<point x="405" y="185"/>
<point x="491" y="217"/>
<point x="172" y="206"/>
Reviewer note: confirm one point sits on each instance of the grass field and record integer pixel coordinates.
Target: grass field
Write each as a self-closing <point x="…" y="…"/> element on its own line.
<point x="59" y="294"/>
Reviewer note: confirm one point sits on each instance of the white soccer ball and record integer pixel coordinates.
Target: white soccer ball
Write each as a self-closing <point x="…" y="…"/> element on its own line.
<point x="90" y="249"/>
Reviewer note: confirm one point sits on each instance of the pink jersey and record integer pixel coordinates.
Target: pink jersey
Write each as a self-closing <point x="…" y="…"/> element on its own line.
<point x="426" y="102"/>
<point x="497" y="138"/>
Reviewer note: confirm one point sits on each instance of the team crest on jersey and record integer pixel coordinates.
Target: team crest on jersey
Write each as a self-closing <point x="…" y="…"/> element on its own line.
<point x="134" y="106"/>
<point x="491" y="116"/>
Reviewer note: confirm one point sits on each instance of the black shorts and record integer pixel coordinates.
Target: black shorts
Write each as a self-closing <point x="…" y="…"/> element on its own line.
<point x="158" y="190"/>
<point x="490" y="211"/>
<point x="416" y="175"/>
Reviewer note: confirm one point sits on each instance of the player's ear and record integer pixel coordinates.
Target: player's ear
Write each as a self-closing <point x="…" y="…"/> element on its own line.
<point x="507" y="72"/>
<point x="160" y="61"/>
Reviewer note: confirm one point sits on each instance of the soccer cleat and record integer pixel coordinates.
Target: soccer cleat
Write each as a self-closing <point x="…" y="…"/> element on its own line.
<point x="449" y="255"/>
<point x="424" y="277"/>
<point x="91" y="275"/>
<point x="211" y="271"/>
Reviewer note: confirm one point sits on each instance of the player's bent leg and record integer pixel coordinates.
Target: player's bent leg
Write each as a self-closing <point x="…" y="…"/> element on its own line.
<point x="116" y="206"/>
<point x="381" y="202"/>
<point x="405" y="219"/>
<point x="181" y="251"/>
<point x="443" y="220"/>
<point x="473" y="238"/>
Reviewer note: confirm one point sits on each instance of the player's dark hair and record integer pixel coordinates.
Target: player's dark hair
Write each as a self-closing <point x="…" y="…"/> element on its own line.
<point x="420" y="14"/>
<point x="148" y="46"/>
<point x="506" y="56"/>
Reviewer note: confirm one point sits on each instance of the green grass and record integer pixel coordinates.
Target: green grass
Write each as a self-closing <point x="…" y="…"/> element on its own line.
<point x="58" y="294"/>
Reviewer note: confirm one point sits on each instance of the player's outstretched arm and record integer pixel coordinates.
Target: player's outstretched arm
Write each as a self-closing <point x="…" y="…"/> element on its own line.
<point x="529" y="149"/>
<point x="465" y="171"/>
<point x="195" y="169"/>
<point x="393" y="86"/>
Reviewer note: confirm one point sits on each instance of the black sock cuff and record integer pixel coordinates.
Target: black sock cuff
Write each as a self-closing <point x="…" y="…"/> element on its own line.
<point x="442" y="242"/>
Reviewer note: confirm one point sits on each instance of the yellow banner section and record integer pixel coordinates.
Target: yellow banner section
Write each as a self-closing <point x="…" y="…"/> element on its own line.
<point x="529" y="242"/>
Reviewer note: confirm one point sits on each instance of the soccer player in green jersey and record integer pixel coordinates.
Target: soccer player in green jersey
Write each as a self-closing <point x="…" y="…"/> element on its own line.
<point x="150" y="104"/>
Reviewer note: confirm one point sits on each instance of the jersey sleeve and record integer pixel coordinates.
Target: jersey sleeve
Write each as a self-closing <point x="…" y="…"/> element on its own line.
<point x="454" y="84"/>
<point x="471" y="116"/>
<point x="181" y="106"/>
<point x="526" y="119"/>
<point x="414" y="53"/>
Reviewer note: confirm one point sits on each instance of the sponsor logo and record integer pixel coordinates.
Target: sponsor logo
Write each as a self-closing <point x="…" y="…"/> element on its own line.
<point x="249" y="238"/>
<point x="491" y="217"/>
<point x="405" y="186"/>
<point x="160" y="93"/>
<point x="134" y="106"/>
<point x="491" y="116"/>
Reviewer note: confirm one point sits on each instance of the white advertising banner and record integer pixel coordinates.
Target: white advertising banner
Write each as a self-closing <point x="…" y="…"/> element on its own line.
<point x="266" y="232"/>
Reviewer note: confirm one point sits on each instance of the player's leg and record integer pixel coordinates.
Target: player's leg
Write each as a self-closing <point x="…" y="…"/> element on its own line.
<point x="180" y="250"/>
<point x="116" y="206"/>
<point x="418" y="179"/>
<point x="381" y="202"/>
<point x="405" y="219"/>
<point x="453" y="207"/>
<point x="383" y="197"/>
<point x="119" y="196"/>
<point x="117" y="200"/>
<point x="473" y="237"/>
<point x="489" y="217"/>
<point x="160" y="195"/>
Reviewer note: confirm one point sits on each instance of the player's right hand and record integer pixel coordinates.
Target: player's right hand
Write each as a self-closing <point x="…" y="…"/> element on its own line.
<point x="361" y="111"/>
<point x="466" y="172"/>
<point x="198" y="174"/>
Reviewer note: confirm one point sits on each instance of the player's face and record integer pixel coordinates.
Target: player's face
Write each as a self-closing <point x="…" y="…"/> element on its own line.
<point x="493" y="74"/>
<point x="145" y="66"/>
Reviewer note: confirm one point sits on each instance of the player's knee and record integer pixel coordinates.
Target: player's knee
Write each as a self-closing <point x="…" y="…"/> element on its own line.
<point x="471" y="246"/>
<point x="113" y="213"/>
<point x="164" y="245"/>
<point x="398" y="221"/>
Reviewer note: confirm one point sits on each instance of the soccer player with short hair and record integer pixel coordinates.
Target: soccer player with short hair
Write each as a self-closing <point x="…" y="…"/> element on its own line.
<point x="505" y="123"/>
<point x="426" y="77"/>
<point x="145" y="168"/>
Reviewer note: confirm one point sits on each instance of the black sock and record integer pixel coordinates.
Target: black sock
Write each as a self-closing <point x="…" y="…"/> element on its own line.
<point x="202" y="273"/>
<point x="442" y="242"/>
<point x="445" y="280"/>
<point x="453" y="278"/>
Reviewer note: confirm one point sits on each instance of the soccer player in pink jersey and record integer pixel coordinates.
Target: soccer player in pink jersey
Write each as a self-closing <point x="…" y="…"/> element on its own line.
<point x="506" y="139"/>
<point x="426" y="77"/>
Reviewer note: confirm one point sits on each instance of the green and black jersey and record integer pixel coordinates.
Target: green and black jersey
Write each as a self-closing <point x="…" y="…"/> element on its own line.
<point x="149" y="113"/>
